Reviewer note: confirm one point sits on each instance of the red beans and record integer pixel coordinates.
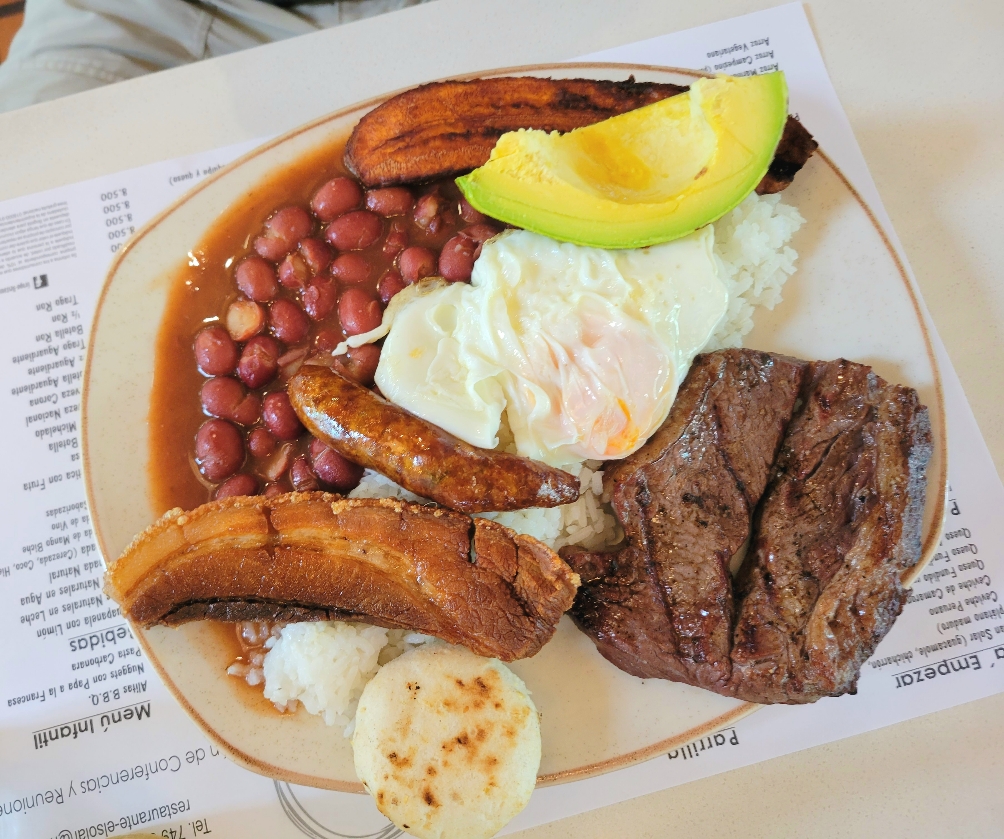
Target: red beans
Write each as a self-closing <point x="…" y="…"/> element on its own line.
<point x="279" y="417"/>
<point x="289" y="322"/>
<point x="238" y="485"/>
<point x="415" y="263"/>
<point x="219" y="449"/>
<point x="340" y="474"/>
<point x="320" y="298"/>
<point x="336" y="197"/>
<point x="271" y="249"/>
<point x="282" y="232"/>
<point x="390" y="284"/>
<point x="397" y="238"/>
<point x="308" y="281"/>
<point x="226" y="398"/>
<point x="245" y="319"/>
<point x="456" y="260"/>
<point x="429" y="212"/>
<point x="291" y="362"/>
<point x="327" y="340"/>
<point x="278" y="465"/>
<point x="302" y="476"/>
<point x="392" y="201"/>
<point x="256" y="279"/>
<point x="272" y="490"/>
<point x="215" y="351"/>
<point x="358" y="311"/>
<point x="354" y="231"/>
<point x="294" y="272"/>
<point x="259" y="362"/>
<point x="219" y="396"/>
<point x="290" y="223"/>
<point x="261" y="443"/>
<point x="359" y="363"/>
<point x="316" y="254"/>
<point x="247" y="411"/>
<point x="479" y="233"/>
<point x="469" y="214"/>
<point x="351" y="268"/>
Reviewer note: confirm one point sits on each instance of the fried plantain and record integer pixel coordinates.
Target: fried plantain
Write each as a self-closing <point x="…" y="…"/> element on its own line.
<point x="444" y="129"/>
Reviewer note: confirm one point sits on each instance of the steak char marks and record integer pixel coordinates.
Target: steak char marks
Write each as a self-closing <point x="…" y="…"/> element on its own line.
<point x="662" y="606"/>
<point x="838" y="457"/>
<point x="838" y="526"/>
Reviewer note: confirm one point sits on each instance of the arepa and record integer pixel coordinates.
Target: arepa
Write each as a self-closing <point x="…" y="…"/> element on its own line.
<point x="447" y="743"/>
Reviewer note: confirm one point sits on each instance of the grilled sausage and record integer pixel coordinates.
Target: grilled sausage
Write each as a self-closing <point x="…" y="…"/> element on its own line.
<point x="418" y="455"/>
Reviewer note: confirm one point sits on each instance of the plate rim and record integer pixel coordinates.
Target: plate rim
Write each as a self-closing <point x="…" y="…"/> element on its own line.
<point x="928" y="547"/>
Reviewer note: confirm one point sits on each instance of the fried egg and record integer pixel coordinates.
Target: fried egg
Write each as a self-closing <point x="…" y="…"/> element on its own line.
<point x="582" y="348"/>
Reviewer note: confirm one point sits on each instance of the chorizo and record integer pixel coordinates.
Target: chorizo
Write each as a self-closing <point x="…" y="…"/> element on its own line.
<point x="418" y="455"/>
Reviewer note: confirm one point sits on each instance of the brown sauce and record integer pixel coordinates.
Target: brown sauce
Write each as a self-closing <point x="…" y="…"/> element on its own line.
<point x="201" y="291"/>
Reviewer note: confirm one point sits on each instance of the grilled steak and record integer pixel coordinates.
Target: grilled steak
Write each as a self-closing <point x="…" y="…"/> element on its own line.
<point x="442" y="129"/>
<point x="838" y="524"/>
<point x="315" y="556"/>
<point x="662" y="606"/>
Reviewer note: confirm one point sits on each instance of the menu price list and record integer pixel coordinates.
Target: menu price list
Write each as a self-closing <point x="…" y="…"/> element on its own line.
<point x="51" y="571"/>
<point x="76" y="689"/>
<point x="56" y="577"/>
<point x="956" y="596"/>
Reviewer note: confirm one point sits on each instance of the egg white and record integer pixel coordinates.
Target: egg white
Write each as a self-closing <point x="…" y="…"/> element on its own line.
<point x="583" y="348"/>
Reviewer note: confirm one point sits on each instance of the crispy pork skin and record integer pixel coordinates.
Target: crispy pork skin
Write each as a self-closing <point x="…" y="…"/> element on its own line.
<point x="825" y="463"/>
<point x="316" y="556"/>
<point x="443" y="129"/>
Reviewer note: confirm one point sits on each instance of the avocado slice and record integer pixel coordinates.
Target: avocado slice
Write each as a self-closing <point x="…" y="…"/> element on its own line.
<point x="647" y="176"/>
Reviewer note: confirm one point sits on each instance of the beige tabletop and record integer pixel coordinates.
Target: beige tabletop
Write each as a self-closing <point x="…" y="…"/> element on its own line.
<point x="921" y="81"/>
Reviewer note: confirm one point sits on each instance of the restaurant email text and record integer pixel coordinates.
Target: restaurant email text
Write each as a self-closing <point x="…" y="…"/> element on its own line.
<point x="128" y="822"/>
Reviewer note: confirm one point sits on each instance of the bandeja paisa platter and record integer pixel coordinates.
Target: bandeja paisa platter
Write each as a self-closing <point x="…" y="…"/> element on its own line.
<point x="850" y="298"/>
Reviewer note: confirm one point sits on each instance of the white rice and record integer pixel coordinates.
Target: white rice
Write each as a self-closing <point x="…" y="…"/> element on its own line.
<point x="751" y="243"/>
<point x="325" y="665"/>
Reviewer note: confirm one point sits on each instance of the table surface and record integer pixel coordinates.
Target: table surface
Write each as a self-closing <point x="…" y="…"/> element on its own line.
<point x="921" y="83"/>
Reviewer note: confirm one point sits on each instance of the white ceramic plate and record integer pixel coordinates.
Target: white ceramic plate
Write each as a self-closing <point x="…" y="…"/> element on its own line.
<point x="850" y="298"/>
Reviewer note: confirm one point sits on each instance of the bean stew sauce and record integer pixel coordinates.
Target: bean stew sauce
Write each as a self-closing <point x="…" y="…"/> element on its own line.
<point x="305" y="260"/>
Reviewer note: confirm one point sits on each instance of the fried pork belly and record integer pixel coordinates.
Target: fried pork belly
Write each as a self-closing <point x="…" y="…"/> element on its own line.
<point x="317" y="556"/>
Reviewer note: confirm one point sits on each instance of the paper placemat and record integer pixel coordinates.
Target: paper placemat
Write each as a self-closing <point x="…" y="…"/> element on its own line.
<point x="93" y="744"/>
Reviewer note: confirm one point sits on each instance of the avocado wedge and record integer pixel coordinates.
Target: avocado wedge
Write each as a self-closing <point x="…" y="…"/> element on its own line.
<point x="644" y="177"/>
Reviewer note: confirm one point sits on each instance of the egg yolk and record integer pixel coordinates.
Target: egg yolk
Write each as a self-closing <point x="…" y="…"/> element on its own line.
<point x="582" y="348"/>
